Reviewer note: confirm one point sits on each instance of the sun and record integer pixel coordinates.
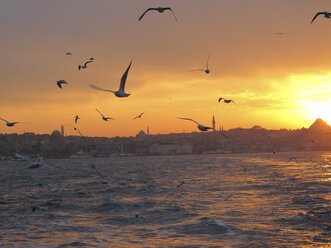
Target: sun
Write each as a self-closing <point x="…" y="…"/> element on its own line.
<point x="319" y="110"/>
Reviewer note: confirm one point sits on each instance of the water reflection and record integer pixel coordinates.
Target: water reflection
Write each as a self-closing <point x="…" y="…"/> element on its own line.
<point x="245" y="200"/>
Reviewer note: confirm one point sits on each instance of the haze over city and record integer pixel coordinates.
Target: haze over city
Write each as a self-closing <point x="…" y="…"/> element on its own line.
<point x="266" y="55"/>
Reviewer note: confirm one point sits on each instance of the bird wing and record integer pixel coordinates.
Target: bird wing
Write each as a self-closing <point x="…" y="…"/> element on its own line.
<point x="29" y="160"/>
<point x="87" y="62"/>
<point x="104" y="180"/>
<point x="220" y="99"/>
<point x="4" y="120"/>
<point x="318" y="13"/>
<point x="197" y="70"/>
<point x="188" y="119"/>
<point x="234" y="102"/>
<point x="47" y="165"/>
<point x="171" y="11"/>
<point x="146" y="12"/>
<point x="125" y="75"/>
<point x="99" y="112"/>
<point x="97" y="88"/>
<point x="207" y="64"/>
<point x="59" y="84"/>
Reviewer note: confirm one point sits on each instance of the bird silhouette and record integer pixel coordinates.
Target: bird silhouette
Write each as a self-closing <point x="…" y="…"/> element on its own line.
<point x="226" y="100"/>
<point x="139" y="116"/>
<point x="201" y="127"/>
<point x="325" y="13"/>
<point x="121" y="92"/>
<point x="85" y="65"/>
<point x="159" y="9"/>
<point x="103" y="117"/>
<point x="60" y="82"/>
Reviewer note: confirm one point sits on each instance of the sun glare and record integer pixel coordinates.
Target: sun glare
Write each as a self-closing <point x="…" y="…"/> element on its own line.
<point x="319" y="110"/>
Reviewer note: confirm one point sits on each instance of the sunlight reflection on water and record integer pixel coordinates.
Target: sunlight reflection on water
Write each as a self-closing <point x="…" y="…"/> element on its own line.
<point x="244" y="200"/>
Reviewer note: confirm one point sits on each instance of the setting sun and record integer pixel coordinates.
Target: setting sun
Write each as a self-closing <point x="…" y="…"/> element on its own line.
<point x="319" y="110"/>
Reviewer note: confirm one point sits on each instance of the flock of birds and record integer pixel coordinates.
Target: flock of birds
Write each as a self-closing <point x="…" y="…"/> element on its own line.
<point x="121" y="91"/>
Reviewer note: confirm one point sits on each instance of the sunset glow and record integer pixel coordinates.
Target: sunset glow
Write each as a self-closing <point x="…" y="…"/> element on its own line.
<point x="277" y="81"/>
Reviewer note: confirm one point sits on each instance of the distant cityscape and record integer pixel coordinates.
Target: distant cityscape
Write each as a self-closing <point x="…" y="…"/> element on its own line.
<point x="238" y="140"/>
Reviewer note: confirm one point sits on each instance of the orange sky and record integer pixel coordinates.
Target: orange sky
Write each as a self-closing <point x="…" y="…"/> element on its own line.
<point x="277" y="80"/>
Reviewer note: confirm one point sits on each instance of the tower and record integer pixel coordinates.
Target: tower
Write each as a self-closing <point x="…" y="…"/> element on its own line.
<point x="62" y="130"/>
<point x="147" y="130"/>
<point x="214" y="123"/>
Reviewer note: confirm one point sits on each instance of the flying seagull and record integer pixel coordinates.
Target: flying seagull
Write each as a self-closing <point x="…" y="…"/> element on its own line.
<point x="76" y="119"/>
<point x="47" y="187"/>
<point x="76" y="129"/>
<point x="60" y="82"/>
<point x="201" y="127"/>
<point x="207" y="70"/>
<point x="139" y="116"/>
<point x="178" y="185"/>
<point x="120" y="92"/>
<point x="10" y="124"/>
<point x="160" y="9"/>
<point x="33" y="164"/>
<point x="85" y="65"/>
<point x="325" y="13"/>
<point x="225" y="100"/>
<point x="68" y="53"/>
<point x="103" y="117"/>
<point x="102" y="179"/>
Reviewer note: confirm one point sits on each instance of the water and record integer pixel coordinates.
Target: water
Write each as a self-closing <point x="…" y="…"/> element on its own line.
<point x="247" y="200"/>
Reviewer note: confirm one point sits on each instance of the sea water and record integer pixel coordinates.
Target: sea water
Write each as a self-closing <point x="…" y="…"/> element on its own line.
<point x="239" y="200"/>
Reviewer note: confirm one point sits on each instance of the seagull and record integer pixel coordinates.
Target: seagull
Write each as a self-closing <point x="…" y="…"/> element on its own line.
<point x="180" y="184"/>
<point x="201" y="127"/>
<point x="139" y="116"/>
<point x="280" y="33"/>
<point x="103" y="117"/>
<point x="227" y="197"/>
<point x="292" y="158"/>
<point x="76" y="119"/>
<point x="207" y="71"/>
<point x="225" y="100"/>
<point x="160" y="9"/>
<point x="120" y="92"/>
<point x="60" y="82"/>
<point x="142" y="217"/>
<point x="47" y="187"/>
<point x="68" y="53"/>
<point x="102" y="179"/>
<point x="85" y="65"/>
<point x="33" y="164"/>
<point x="325" y="13"/>
<point x="10" y="124"/>
<point x="76" y="130"/>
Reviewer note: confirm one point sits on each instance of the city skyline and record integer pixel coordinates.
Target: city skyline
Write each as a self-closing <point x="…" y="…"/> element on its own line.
<point x="278" y="81"/>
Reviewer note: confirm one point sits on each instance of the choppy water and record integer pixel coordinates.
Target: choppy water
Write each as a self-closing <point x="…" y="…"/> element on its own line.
<point x="248" y="200"/>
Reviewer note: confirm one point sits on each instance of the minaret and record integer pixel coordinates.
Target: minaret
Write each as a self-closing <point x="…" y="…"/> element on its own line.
<point x="62" y="130"/>
<point x="147" y="130"/>
<point x="214" y="123"/>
